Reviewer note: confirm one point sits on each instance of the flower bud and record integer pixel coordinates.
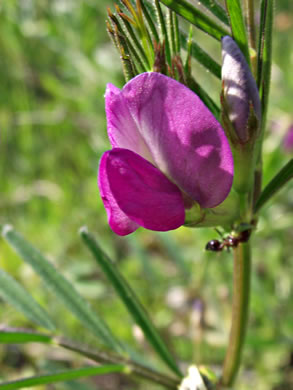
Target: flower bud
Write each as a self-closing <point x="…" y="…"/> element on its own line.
<point x="240" y="98"/>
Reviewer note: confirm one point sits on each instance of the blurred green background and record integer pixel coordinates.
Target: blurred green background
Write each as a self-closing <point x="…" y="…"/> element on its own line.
<point x="55" y="60"/>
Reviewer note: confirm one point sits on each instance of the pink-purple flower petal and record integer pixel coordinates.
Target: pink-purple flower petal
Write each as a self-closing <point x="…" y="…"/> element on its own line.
<point x="136" y="193"/>
<point x="123" y="131"/>
<point x="118" y="220"/>
<point x="167" y="124"/>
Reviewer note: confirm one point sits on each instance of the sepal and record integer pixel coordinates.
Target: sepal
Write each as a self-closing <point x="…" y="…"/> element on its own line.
<point x="223" y="215"/>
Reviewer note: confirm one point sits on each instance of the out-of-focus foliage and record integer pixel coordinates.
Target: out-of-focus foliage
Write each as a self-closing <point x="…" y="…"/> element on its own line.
<point x="55" y="60"/>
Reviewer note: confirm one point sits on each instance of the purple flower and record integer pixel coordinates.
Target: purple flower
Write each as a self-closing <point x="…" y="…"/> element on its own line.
<point x="168" y="152"/>
<point x="288" y="140"/>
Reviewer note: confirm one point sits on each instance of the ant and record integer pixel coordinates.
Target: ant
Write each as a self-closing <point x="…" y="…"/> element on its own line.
<point x="228" y="242"/>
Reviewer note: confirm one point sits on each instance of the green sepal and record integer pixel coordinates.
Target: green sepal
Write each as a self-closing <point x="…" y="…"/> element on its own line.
<point x="225" y="214"/>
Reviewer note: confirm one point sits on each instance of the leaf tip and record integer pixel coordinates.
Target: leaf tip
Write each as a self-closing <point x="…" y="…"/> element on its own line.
<point x="6" y="229"/>
<point x="83" y="231"/>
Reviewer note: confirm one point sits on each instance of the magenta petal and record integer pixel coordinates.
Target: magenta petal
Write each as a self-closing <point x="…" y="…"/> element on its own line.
<point x="167" y="124"/>
<point x="141" y="191"/>
<point x="118" y="220"/>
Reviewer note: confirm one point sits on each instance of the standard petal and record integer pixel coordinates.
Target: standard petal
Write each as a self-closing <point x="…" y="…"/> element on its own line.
<point x="141" y="191"/>
<point x="168" y="125"/>
<point x="122" y="128"/>
<point x="118" y="220"/>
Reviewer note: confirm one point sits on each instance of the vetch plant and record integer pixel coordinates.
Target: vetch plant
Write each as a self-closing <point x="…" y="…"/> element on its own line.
<point x="178" y="158"/>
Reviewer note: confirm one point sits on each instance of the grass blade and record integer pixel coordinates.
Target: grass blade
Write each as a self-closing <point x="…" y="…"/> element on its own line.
<point x="18" y="297"/>
<point x="140" y="61"/>
<point x="132" y="35"/>
<point x="176" y="33"/>
<point x="130" y="300"/>
<point x="216" y="10"/>
<point x="265" y="52"/>
<point x="60" y="287"/>
<point x="136" y="368"/>
<point x="150" y="20"/>
<point x="171" y="32"/>
<point x="62" y="376"/>
<point x="163" y="29"/>
<point x="275" y="185"/>
<point x="12" y="335"/>
<point x="17" y="336"/>
<point x="238" y="26"/>
<point x="264" y="65"/>
<point x="201" y="56"/>
<point x="196" y="17"/>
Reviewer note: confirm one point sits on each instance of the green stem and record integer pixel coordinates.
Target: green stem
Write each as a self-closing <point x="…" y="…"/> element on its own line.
<point x="249" y="19"/>
<point x="240" y="308"/>
<point x="112" y="358"/>
<point x="249" y="16"/>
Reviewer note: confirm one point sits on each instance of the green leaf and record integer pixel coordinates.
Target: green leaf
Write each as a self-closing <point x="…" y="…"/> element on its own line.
<point x="137" y="21"/>
<point x="264" y="61"/>
<point x="216" y="9"/>
<point x="14" y="335"/>
<point x="128" y="67"/>
<point x="201" y="56"/>
<point x="176" y="33"/>
<point x="60" y="287"/>
<point x="150" y="17"/>
<point x="121" y="42"/>
<point x="130" y="300"/>
<point x="136" y="368"/>
<point x="163" y="29"/>
<point x="17" y="296"/>
<point x="275" y="185"/>
<point x="136" y="46"/>
<point x="171" y="32"/>
<point x="238" y="26"/>
<point x="62" y="376"/>
<point x="196" y="17"/>
<point x="17" y="336"/>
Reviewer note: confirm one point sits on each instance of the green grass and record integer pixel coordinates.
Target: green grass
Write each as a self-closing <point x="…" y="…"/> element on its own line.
<point x="55" y="62"/>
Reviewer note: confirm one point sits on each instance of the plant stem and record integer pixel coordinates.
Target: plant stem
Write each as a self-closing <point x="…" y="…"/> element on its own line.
<point x="135" y="368"/>
<point x="249" y="16"/>
<point x="249" y="19"/>
<point x="240" y="308"/>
